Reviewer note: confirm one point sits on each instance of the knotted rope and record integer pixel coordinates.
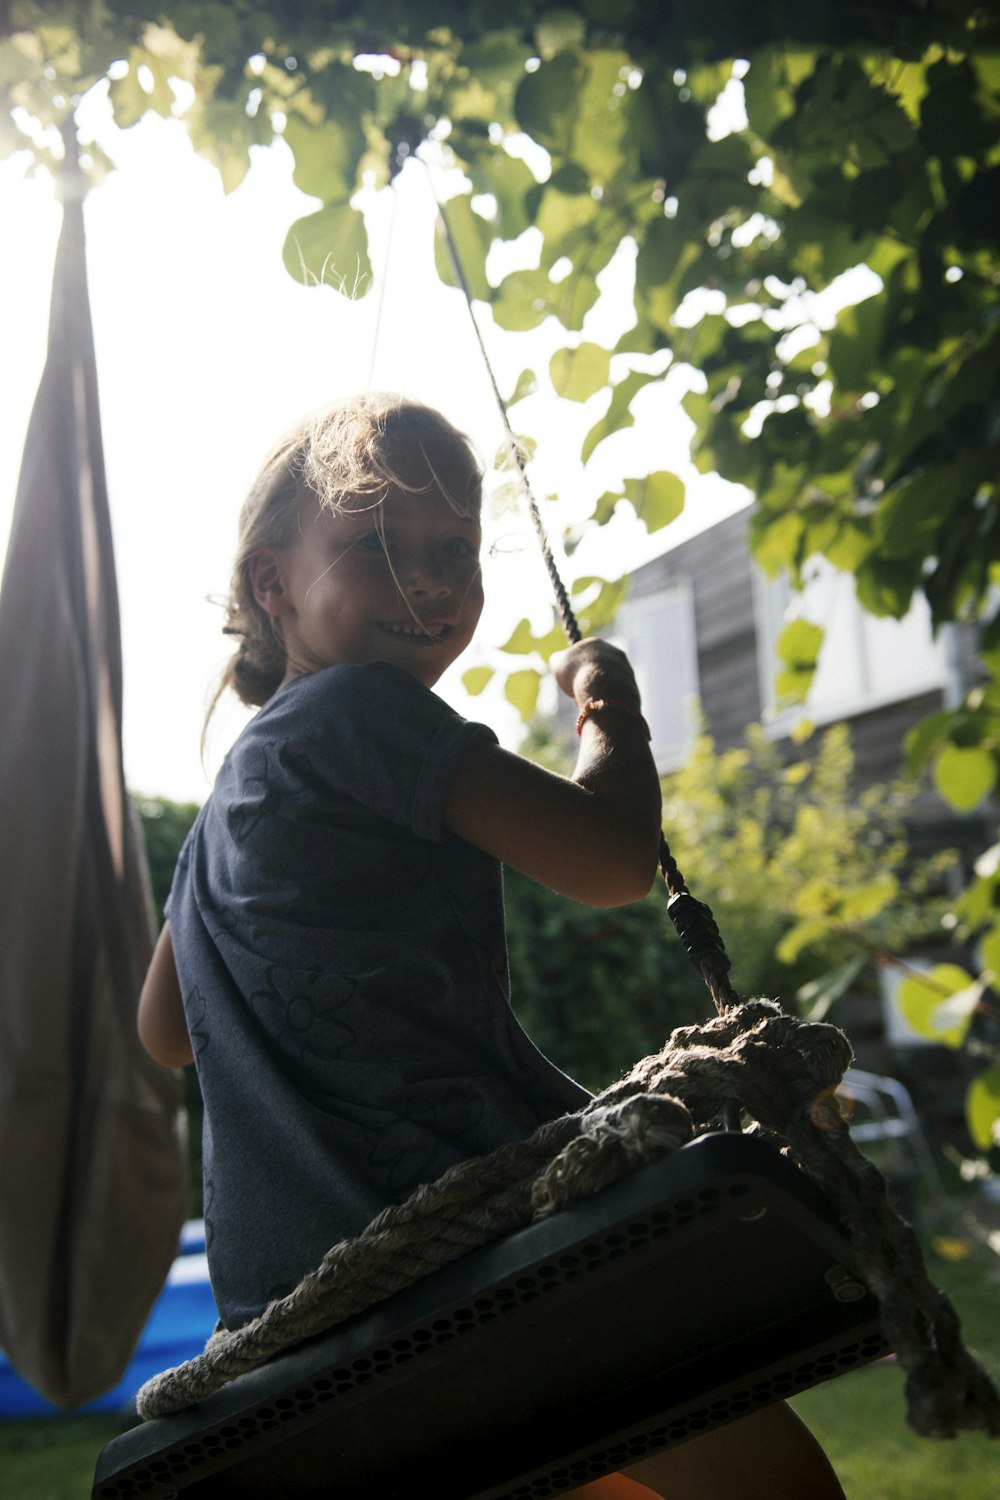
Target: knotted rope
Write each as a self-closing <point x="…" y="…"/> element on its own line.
<point x="783" y="1073"/>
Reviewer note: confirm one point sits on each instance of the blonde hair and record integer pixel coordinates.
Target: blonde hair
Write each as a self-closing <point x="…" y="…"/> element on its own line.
<point x="345" y="458"/>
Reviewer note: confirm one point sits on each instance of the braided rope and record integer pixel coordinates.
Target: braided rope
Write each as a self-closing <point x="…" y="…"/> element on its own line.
<point x="693" y="919"/>
<point x="783" y="1072"/>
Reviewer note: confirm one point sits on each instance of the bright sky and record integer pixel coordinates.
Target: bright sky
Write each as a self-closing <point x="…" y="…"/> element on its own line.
<point x="207" y="350"/>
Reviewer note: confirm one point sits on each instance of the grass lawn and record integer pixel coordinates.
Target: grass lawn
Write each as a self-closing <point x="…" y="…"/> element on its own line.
<point x="859" y="1419"/>
<point x="52" y="1458"/>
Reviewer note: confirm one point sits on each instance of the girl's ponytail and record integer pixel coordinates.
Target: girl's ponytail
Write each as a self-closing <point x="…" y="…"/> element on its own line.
<point x="268" y="519"/>
<point x="255" y="671"/>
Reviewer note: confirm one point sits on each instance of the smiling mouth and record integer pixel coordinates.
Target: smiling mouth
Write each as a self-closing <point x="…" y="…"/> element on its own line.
<point x="430" y="635"/>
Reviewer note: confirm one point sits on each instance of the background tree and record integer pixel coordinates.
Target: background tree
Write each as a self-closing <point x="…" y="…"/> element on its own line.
<point x="744" y="159"/>
<point x="165" y="826"/>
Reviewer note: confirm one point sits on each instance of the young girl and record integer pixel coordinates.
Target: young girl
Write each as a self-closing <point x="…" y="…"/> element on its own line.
<point x="334" y="959"/>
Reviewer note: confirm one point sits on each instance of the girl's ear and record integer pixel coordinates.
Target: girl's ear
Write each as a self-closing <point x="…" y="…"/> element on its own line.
<point x="267" y="582"/>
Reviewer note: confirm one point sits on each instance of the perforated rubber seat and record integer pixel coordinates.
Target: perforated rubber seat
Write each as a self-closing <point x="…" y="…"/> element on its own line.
<point x="702" y="1288"/>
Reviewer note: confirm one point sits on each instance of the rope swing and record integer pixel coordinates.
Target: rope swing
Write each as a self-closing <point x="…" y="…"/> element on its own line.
<point x="781" y="1071"/>
<point x="751" y="1062"/>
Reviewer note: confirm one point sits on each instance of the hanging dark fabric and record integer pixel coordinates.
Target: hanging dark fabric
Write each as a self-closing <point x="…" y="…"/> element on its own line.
<point x="92" y="1182"/>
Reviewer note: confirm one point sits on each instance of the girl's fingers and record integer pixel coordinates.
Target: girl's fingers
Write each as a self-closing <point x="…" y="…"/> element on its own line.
<point x="593" y="666"/>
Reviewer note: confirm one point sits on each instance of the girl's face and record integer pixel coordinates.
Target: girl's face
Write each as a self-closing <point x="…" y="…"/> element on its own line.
<point x="398" y="582"/>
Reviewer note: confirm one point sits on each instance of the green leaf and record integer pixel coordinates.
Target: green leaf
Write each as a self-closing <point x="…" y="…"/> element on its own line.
<point x="665" y="254"/>
<point x="618" y="414"/>
<point x="573" y="298"/>
<point x="865" y="901"/>
<point x="885" y="585"/>
<point x="769" y="88"/>
<point x="606" y="506"/>
<point x="855" y="342"/>
<point x="527" y="385"/>
<point x="495" y="59"/>
<point x="925" y="737"/>
<point x="574" y="106"/>
<point x="577" y="373"/>
<point x="939" y="1004"/>
<point x="816" y="997"/>
<point x="982" y="1108"/>
<point x="965" y="775"/>
<point x="603" y="137"/>
<point x="472" y="237"/>
<point x="129" y="99"/>
<point x="510" y="180"/>
<point x="802" y="936"/>
<point x="330" y="248"/>
<point x="951" y="121"/>
<point x="546" y="102"/>
<point x="979" y="903"/>
<point x="776" y="539"/>
<point x="469" y="96"/>
<point x="522" y="640"/>
<point x="848" y="545"/>
<point x="606" y="599"/>
<point x="557" y="30"/>
<point x="522" y="300"/>
<point x="324" y="162"/>
<point x="223" y="131"/>
<point x="990" y="948"/>
<point x="475" y="680"/>
<point x="914" y="512"/>
<point x="657" y="498"/>
<point x="798" y="646"/>
<point x="521" y="689"/>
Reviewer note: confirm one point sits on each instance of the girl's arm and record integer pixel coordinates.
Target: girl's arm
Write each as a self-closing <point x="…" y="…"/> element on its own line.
<point x="594" y="836"/>
<point x="162" y="1026"/>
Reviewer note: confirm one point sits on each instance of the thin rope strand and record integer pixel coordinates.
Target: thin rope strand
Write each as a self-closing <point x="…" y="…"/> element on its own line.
<point x="380" y="306"/>
<point x="693" y="919"/>
<point x="566" y="614"/>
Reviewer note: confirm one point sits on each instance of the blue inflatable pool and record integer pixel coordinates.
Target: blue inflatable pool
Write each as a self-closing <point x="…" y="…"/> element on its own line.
<point x="182" y="1318"/>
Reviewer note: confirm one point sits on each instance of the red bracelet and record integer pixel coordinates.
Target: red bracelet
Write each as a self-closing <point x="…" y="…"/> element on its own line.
<point x="595" y="705"/>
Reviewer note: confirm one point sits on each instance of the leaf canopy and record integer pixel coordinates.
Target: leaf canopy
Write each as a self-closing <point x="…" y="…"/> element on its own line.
<point x="747" y="158"/>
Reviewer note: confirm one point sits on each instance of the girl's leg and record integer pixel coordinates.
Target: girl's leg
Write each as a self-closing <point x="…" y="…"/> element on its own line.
<point x="770" y="1455"/>
<point x="611" y="1487"/>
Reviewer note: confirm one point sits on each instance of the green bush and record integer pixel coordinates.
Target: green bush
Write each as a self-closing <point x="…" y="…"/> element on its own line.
<point x="597" y="990"/>
<point x="809" y="879"/>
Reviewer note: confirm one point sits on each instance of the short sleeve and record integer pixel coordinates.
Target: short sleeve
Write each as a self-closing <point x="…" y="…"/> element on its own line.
<point x="374" y="734"/>
<point x="182" y="863"/>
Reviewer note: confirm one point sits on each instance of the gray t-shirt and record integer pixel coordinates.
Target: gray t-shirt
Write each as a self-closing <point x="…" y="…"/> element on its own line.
<point x="343" y="966"/>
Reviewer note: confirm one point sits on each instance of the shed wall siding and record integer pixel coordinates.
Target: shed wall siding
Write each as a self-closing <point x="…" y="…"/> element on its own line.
<point x="716" y="565"/>
<point x="718" y="568"/>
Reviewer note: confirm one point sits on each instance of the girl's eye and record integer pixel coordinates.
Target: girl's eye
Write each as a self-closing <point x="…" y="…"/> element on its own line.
<point x="460" y="548"/>
<point x="371" y="541"/>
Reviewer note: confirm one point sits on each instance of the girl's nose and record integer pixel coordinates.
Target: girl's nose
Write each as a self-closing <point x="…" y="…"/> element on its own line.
<point x="423" y="577"/>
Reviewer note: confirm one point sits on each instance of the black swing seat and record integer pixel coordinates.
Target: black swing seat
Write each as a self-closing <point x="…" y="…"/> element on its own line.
<point x="704" y="1287"/>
